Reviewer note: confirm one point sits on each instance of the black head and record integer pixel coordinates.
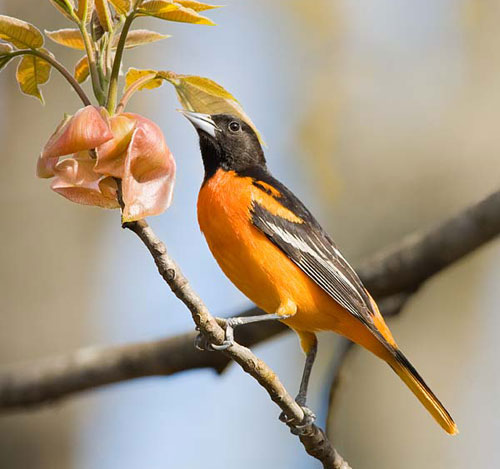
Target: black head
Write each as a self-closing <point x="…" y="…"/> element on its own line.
<point x="226" y="142"/>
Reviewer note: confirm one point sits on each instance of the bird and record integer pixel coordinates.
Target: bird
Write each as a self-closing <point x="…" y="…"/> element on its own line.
<point x="275" y="252"/>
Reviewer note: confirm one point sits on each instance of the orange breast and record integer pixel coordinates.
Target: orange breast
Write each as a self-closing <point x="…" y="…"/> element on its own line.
<point x="256" y="266"/>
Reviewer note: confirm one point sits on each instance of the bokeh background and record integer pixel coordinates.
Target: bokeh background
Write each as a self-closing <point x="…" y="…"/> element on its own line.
<point x="383" y="117"/>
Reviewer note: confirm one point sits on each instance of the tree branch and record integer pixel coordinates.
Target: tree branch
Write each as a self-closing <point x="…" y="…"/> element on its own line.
<point x="312" y="437"/>
<point x="405" y="266"/>
<point x="58" y="377"/>
<point x="400" y="270"/>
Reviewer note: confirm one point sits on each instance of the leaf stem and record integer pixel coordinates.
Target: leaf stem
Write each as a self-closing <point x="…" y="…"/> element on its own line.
<point x="132" y="89"/>
<point x="113" y="82"/>
<point x="94" y="74"/>
<point x="59" y="67"/>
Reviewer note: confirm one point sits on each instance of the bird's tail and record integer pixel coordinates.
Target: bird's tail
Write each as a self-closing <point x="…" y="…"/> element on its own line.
<point x="405" y="370"/>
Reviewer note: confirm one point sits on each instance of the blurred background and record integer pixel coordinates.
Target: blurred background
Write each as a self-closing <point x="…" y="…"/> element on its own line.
<point x="383" y="117"/>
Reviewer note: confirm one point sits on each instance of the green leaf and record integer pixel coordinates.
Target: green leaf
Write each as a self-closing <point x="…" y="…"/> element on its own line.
<point x="33" y="71"/>
<point x="138" y="37"/>
<point x="65" y="7"/>
<point x="197" y="6"/>
<point x="67" y="37"/>
<point x="169" y="11"/>
<point x="200" y="94"/>
<point x="133" y="75"/>
<point x="122" y="7"/>
<point x="81" y="72"/>
<point x="20" y="33"/>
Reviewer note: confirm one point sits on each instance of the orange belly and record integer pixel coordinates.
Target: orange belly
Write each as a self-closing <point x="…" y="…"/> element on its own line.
<point x="258" y="268"/>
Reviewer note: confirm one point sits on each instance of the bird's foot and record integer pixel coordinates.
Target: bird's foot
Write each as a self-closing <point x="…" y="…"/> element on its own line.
<point x="298" y="429"/>
<point x="202" y="343"/>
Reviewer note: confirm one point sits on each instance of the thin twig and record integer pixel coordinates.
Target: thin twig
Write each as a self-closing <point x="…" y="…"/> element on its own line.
<point x="91" y="56"/>
<point x="113" y="81"/>
<point x="312" y="437"/>
<point x="59" y="67"/>
<point x="137" y="85"/>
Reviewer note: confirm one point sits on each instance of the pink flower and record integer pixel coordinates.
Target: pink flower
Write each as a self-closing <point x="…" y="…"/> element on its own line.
<point x="76" y="180"/>
<point x="85" y="130"/>
<point x="128" y="147"/>
<point x="140" y="157"/>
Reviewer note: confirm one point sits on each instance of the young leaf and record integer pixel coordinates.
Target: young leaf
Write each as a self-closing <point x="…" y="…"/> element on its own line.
<point x="104" y="15"/>
<point x="31" y="72"/>
<point x="134" y="74"/>
<point x="196" y="6"/>
<point x="201" y="94"/>
<point x="81" y="72"/>
<point x="67" y="37"/>
<point x="64" y="6"/>
<point x="173" y="12"/>
<point x="82" y="5"/>
<point x="158" y="7"/>
<point x="122" y="7"/>
<point x="138" y="37"/>
<point x="20" y="33"/>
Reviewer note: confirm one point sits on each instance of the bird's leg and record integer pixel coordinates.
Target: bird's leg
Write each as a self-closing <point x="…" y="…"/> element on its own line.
<point x="310" y="346"/>
<point x="306" y="374"/>
<point x="285" y="311"/>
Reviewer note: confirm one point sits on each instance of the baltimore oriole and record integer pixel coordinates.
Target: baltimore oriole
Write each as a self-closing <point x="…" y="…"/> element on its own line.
<point x="272" y="248"/>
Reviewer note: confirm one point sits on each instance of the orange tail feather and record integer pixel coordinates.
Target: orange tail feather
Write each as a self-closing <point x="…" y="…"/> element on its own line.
<point x="405" y="370"/>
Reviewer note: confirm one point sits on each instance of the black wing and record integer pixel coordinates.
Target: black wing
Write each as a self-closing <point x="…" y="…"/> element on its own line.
<point x="311" y="249"/>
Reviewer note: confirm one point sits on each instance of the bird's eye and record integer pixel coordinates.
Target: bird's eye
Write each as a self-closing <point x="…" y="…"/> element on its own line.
<point x="234" y="126"/>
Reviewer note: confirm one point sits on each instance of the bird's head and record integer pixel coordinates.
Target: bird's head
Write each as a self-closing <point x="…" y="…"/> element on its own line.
<point x="226" y="142"/>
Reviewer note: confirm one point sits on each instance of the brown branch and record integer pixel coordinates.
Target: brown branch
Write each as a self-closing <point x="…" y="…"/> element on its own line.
<point x="405" y="266"/>
<point x="402" y="268"/>
<point x="312" y="437"/>
<point x="58" y="377"/>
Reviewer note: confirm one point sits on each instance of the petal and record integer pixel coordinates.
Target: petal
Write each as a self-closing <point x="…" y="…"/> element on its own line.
<point x="87" y="129"/>
<point x="78" y="170"/>
<point x="111" y="154"/>
<point x="76" y="180"/>
<point x="150" y="149"/>
<point x="149" y="174"/>
<point x="108" y="188"/>
<point x="45" y="165"/>
<point x="83" y="195"/>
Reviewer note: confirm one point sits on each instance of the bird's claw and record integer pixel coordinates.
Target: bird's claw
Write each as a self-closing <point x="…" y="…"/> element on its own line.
<point x="202" y="343"/>
<point x="298" y="429"/>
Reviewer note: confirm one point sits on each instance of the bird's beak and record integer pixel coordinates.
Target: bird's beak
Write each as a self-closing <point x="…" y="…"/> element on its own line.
<point x="201" y="122"/>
